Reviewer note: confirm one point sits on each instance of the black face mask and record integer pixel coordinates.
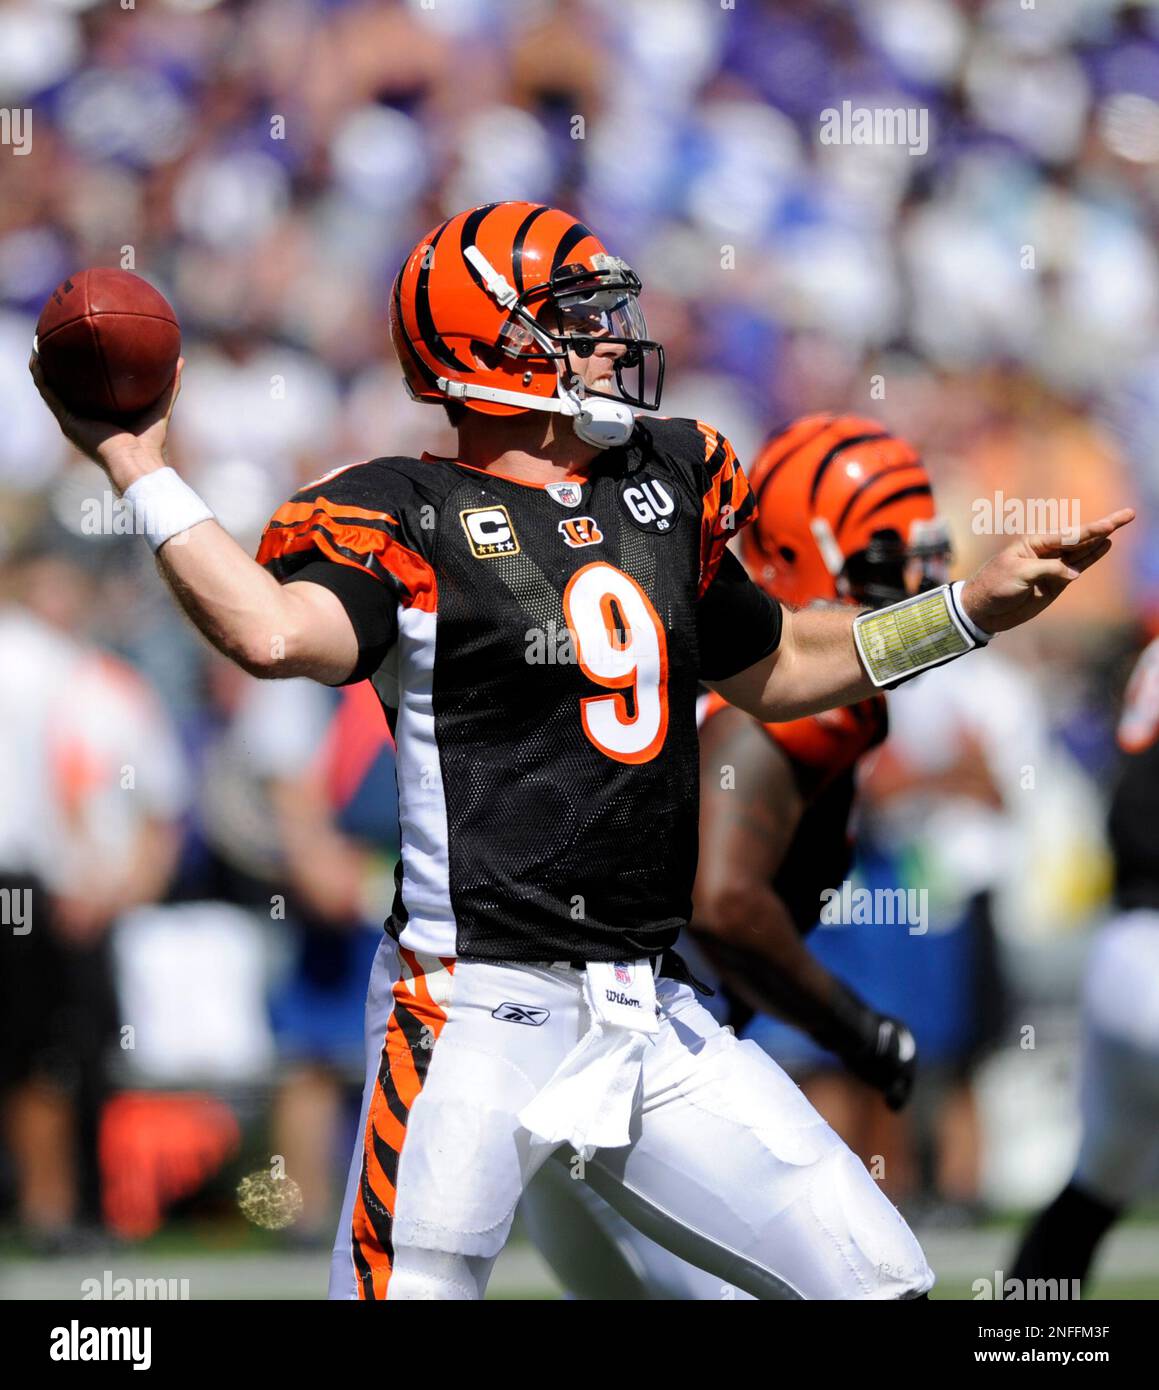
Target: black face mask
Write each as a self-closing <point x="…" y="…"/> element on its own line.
<point x="878" y="575"/>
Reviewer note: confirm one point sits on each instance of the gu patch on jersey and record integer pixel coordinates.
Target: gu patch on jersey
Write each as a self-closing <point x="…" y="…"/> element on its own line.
<point x="489" y="532"/>
<point x="651" y="505"/>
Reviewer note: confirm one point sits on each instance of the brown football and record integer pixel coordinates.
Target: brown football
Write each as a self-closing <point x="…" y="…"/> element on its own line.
<point x="108" y="342"/>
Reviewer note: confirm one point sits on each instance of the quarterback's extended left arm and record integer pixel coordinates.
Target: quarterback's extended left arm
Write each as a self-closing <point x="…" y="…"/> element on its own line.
<point x="829" y="657"/>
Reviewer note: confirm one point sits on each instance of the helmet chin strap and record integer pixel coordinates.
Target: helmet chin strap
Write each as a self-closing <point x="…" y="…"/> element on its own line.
<point x="596" y="420"/>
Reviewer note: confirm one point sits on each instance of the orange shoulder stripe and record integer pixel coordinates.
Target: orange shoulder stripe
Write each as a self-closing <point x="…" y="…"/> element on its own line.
<point x="306" y="526"/>
<point x="290" y="512"/>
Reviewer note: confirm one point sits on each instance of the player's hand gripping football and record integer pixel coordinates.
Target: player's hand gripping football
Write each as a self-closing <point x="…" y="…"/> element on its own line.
<point x="125" y="449"/>
<point x="1019" y="582"/>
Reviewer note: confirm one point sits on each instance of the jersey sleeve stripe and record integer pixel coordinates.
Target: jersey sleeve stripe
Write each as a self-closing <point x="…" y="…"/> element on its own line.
<point x="711" y="440"/>
<point x="351" y="537"/>
<point x="293" y="511"/>
<point x="728" y="504"/>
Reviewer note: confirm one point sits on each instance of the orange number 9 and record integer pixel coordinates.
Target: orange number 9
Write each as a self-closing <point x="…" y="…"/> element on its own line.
<point x="620" y="645"/>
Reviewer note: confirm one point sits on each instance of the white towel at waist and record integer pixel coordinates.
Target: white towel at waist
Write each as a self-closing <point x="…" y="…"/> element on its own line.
<point x="589" y="1099"/>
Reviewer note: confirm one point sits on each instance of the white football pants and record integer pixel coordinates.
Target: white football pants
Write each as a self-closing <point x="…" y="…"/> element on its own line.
<point x="728" y="1167"/>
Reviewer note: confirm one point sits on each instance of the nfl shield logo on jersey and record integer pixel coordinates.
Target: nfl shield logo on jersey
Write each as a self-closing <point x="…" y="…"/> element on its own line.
<point x="622" y="972"/>
<point x="566" y="494"/>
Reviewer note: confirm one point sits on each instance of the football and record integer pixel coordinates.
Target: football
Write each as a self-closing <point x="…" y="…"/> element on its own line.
<point x="108" y="342"/>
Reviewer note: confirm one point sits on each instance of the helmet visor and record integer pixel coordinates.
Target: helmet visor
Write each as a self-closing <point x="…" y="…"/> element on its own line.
<point x="581" y="311"/>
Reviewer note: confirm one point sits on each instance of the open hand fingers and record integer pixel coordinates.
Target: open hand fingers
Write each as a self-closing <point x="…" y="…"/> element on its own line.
<point x="1095" y="550"/>
<point x="1090" y="534"/>
<point x="1048" y="576"/>
<point x="1054" y="574"/>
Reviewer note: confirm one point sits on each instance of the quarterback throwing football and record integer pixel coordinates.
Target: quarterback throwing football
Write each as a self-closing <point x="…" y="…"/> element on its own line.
<point x="535" y="615"/>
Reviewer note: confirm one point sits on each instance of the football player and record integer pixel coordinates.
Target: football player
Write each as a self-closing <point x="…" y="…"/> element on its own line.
<point x="535" y="614"/>
<point x="1119" y="1153"/>
<point x="846" y="514"/>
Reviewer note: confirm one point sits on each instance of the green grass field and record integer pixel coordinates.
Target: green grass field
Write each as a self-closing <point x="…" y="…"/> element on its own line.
<point x="229" y="1261"/>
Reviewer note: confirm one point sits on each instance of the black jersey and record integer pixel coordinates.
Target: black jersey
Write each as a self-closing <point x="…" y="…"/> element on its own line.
<point x="537" y="651"/>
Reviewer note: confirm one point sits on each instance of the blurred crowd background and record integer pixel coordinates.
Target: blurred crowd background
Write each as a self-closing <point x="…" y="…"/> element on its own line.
<point x="218" y="853"/>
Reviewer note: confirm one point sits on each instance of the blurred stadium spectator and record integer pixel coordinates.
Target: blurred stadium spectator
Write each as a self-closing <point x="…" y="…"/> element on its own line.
<point x="94" y="787"/>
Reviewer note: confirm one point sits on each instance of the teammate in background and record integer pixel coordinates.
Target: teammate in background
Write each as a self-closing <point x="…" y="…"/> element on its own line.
<point x="536" y="615"/>
<point x="1119" y="1154"/>
<point x="942" y="808"/>
<point x="846" y="514"/>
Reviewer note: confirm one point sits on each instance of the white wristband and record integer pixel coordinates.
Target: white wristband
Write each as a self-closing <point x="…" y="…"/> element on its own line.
<point x="163" y="506"/>
<point x="968" y="623"/>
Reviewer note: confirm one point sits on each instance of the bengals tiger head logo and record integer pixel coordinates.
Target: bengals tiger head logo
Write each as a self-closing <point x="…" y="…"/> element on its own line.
<point x="580" y="530"/>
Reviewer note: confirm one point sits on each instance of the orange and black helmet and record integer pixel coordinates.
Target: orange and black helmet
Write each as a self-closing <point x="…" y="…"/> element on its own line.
<point x="846" y="511"/>
<point x="489" y="303"/>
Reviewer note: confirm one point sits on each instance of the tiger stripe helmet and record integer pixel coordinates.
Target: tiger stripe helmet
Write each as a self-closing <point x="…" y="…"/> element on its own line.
<point x="487" y="306"/>
<point x="845" y="511"/>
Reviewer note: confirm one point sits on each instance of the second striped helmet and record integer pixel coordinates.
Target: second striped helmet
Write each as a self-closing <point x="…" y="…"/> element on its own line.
<point x="845" y="510"/>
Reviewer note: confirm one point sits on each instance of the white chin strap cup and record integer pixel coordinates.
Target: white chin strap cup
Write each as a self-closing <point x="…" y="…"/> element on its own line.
<point x="596" y="420"/>
<point x="606" y="424"/>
